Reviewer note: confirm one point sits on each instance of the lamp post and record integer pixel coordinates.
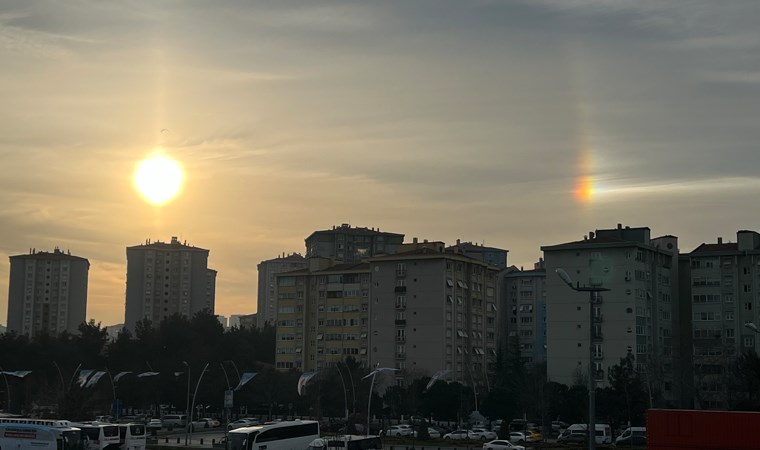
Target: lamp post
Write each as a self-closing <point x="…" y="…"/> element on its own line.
<point x="373" y="374"/>
<point x="593" y="293"/>
<point x="187" y="404"/>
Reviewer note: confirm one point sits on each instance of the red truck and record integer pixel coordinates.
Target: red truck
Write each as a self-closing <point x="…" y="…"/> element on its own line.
<point x="681" y="429"/>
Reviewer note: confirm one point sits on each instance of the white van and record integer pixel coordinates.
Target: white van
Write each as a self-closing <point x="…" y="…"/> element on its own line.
<point x="603" y="432"/>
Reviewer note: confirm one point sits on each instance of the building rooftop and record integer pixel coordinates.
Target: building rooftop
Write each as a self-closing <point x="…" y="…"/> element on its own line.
<point x="730" y="247"/>
<point x="346" y="228"/>
<point x="175" y="244"/>
<point x="473" y="247"/>
<point x="55" y="255"/>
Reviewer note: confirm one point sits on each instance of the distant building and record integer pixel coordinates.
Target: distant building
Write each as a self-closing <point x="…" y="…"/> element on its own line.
<point x="248" y="321"/>
<point x="348" y="244"/>
<point x="47" y="293"/>
<point x="635" y="317"/>
<point x="223" y="321"/>
<point x="114" y="330"/>
<point x="322" y="315"/>
<point x="492" y="256"/>
<point x="2" y="329"/>
<point x="433" y="310"/>
<point x="523" y="312"/>
<point x="165" y="279"/>
<point x="719" y="296"/>
<point x="267" y="300"/>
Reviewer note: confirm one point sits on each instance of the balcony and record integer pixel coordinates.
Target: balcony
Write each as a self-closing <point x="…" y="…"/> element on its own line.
<point x="400" y="273"/>
<point x="400" y="290"/>
<point x="598" y="355"/>
<point x="598" y="336"/>
<point x="400" y="355"/>
<point x="401" y="322"/>
<point x="401" y="339"/>
<point x="599" y="318"/>
<point x="400" y="305"/>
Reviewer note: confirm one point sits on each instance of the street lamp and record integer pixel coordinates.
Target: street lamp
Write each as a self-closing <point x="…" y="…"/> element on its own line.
<point x="752" y="327"/>
<point x="593" y="293"/>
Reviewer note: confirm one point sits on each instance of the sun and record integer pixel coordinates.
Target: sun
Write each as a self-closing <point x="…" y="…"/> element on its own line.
<point x="158" y="179"/>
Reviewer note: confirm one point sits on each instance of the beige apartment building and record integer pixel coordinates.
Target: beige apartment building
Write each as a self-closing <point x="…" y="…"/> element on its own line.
<point x="47" y="293"/>
<point x="433" y="310"/>
<point x="720" y="286"/>
<point x="322" y="315"/>
<point x="166" y="278"/>
<point x="634" y="317"/>
<point x="267" y="296"/>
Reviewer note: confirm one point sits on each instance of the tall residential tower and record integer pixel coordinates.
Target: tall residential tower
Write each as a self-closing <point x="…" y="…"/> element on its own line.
<point x="47" y="293"/>
<point x="165" y="279"/>
<point x="266" y="311"/>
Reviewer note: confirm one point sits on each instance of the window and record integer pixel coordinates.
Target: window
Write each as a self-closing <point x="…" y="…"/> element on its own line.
<point x="449" y="282"/>
<point x="749" y="341"/>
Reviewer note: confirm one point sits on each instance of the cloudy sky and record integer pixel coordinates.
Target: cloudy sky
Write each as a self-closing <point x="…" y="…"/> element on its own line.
<point x="517" y="123"/>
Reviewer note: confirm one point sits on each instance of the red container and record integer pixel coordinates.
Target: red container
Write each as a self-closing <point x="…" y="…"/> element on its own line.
<point x="681" y="429"/>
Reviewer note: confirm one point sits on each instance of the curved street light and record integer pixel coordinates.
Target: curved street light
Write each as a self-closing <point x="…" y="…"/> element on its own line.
<point x="593" y="291"/>
<point x="373" y="374"/>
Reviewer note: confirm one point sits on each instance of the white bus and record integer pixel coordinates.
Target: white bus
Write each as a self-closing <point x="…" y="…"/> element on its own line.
<point x="23" y="436"/>
<point x="99" y="437"/>
<point x="347" y="442"/>
<point x="290" y="435"/>
<point x="132" y="436"/>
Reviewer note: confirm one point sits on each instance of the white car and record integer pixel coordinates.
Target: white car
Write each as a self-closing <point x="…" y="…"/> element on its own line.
<point x="240" y="423"/>
<point x="154" y="424"/>
<point x="516" y="436"/>
<point x="199" y="424"/>
<point x="502" y="445"/>
<point x="457" y="434"/>
<point x="432" y="432"/>
<point x="399" y="430"/>
<point x="482" y="434"/>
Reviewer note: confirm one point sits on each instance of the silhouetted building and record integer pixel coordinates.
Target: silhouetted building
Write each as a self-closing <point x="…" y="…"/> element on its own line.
<point x="267" y="302"/>
<point x="47" y="293"/>
<point x="522" y="317"/>
<point x="165" y="279"/>
<point x="492" y="256"/>
<point x="351" y="244"/>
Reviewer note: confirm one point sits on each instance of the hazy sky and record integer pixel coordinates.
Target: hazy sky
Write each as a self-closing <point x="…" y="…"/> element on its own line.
<point x="440" y="119"/>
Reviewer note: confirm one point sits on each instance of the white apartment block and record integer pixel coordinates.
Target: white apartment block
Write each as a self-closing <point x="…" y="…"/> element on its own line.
<point x="266" y="311"/>
<point x="47" y="293"/>
<point x="164" y="279"/>
<point x="634" y="317"/>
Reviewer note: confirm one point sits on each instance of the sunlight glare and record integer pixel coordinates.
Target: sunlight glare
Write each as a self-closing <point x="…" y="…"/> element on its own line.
<point x="158" y="179"/>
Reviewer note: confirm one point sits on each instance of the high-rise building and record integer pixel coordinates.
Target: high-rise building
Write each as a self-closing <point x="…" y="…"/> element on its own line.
<point x="635" y="317"/>
<point x="719" y="295"/>
<point x="322" y="315"/>
<point x="522" y="315"/>
<point x="165" y="279"/>
<point x="351" y="244"/>
<point x="430" y="310"/>
<point x="267" y="302"/>
<point x="47" y="292"/>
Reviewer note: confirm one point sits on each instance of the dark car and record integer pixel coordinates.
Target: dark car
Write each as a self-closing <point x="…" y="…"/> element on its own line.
<point x="573" y="438"/>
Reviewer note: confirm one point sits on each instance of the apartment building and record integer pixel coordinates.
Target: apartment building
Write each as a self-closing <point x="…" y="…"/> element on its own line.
<point x="634" y="317"/>
<point x="432" y="310"/>
<point x="523" y="312"/>
<point x="322" y="315"/>
<point x="492" y="256"/>
<point x="349" y="244"/>
<point x="166" y="278"/>
<point x="267" y="300"/>
<point x="47" y="292"/>
<point x="720" y="286"/>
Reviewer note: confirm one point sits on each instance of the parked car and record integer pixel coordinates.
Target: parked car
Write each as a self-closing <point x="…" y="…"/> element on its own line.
<point x="558" y="426"/>
<point x="533" y="436"/>
<point x="154" y="424"/>
<point x="518" y="437"/>
<point x="632" y="436"/>
<point x="573" y="437"/>
<point x="501" y="445"/>
<point x="244" y="422"/>
<point x="432" y="432"/>
<point x="457" y="434"/>
<point x="398" y="430"/>
<point x="481" y="434"/>
<point x="199" y="424"/>
<point x="496" y="425"/>
<point x="174" y="420"/>
<point x="213" y="423"/>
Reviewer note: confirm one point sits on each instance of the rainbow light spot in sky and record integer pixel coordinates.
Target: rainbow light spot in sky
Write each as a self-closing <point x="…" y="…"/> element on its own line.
<point x="584" y="189"/>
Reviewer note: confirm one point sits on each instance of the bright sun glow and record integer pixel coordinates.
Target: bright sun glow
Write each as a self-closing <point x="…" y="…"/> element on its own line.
<point x="158" y="179"/>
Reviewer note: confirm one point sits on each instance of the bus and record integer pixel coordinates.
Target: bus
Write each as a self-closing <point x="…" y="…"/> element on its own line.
<point x="347" y="442"/>
<point x="289" y="435"/>
<point x="132" y="436"/>
<point x="25" y="436"/>
<point x="99" y="437"/>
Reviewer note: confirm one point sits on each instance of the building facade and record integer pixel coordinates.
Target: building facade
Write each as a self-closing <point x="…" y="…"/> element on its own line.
<point x="47" y="293"/>
<point x="267" y="299"/>
<point x="523" y="308"/>
<point x="322" y="315"/>
<point x="164" y="279"/>
<point x="492" y="256"/>
<point x="721" y="282"/>
<point x="349" y="244"/>
<point x="432" y="310"/>
<point x="635" y="317"/>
